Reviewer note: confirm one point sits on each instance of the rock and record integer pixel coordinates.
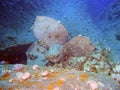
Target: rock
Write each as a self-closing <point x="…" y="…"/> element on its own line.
<point x="49" y="31"/>
<point x="36" y="54"/>
<point x="51" y="37"/>
<point x="14" y="54"/>
<point x="76" y="47"/>
<point x="40" y="55"/>
<point x="58" y="79"/>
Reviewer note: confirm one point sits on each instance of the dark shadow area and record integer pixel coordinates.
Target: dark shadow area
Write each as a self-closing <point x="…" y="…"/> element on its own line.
<point x="15" y="54"/>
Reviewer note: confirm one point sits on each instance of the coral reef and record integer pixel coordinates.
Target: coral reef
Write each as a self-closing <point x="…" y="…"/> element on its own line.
<point x="76" y="64"/>
<point x="98" y="62"/>
<point x="50" y="78"/>
<point x="78" y="53"/>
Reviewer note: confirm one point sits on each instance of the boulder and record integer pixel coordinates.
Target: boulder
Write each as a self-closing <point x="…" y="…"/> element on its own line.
<point x="40" y="55"/>
<point x="50" y="31"/>
<point x="76" y="47"/>
<point x="51" y="35"/>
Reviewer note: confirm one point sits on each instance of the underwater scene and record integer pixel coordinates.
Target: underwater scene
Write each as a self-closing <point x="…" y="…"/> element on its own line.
<point x="59" y="44"/>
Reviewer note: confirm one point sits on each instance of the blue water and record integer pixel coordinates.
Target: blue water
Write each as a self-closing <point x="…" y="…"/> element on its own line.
<point x="95" y="7"/>
<point x="78" y="17"/>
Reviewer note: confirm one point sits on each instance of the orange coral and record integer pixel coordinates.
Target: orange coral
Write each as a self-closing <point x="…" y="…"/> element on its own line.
<point x="83" y="77"/>
<point x="51" y="86"/>
<point x="60" y="82"/>
<point x="5" y="76"/>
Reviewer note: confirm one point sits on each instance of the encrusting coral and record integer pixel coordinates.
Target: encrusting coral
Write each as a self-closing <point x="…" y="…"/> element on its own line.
<point x="50" y="78"/>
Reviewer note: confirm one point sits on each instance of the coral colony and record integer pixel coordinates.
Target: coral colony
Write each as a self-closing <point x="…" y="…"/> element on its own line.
<point x="57" y="62"/>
